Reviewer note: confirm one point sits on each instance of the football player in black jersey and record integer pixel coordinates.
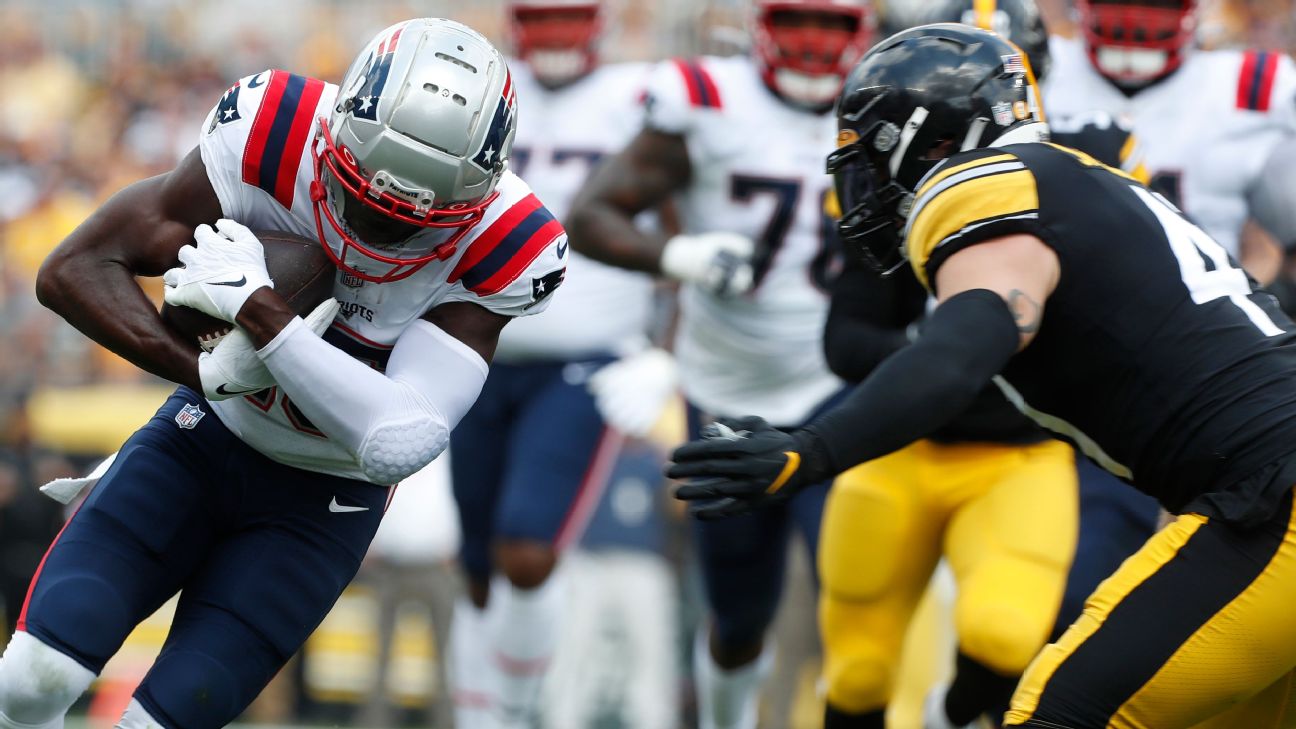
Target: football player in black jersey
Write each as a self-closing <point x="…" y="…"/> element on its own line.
<point x="1106" y="316"/>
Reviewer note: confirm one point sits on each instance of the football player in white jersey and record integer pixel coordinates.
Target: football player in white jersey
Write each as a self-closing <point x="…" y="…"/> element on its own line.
<point x="258" y="486"/>
<point x="738" y="144"/>
<point x="1207" y="120"/>
<point x="532" y="457"/>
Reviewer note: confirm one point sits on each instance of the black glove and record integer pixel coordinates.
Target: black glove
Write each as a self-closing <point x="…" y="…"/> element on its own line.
<point x="743" y="464"/>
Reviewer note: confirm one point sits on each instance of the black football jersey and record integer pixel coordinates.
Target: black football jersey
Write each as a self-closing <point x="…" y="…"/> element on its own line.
<point x="1103" y="137"/>
<point x="1157" y="355"/>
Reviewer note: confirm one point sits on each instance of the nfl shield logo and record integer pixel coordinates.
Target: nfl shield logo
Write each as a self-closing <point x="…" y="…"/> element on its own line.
<point x="189" y="416"/>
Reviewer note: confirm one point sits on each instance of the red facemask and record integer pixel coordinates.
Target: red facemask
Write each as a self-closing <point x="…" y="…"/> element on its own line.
<point x="543" y="33"/>
<point x="810" y="50"/>
<point x="1165" y="28"/>
<point x="342" y="167"/>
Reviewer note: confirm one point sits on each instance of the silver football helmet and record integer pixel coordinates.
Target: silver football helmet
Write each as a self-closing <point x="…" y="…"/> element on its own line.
<point x="418" y="139"/>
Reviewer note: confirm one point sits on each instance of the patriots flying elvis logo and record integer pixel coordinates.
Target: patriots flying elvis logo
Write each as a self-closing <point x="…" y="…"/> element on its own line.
<point x="373" y="79"/>
<point x="500" y="124"/>
<point x="227" y="110"/>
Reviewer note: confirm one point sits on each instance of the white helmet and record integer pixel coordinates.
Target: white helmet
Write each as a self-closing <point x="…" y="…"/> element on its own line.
<point x="420" y="136"/>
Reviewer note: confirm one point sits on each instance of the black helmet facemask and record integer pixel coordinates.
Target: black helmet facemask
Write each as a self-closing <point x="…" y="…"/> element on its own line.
<point x="915" y="99"/>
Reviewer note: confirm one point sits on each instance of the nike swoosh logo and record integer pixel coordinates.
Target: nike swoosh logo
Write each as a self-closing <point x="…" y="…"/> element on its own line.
<point x="220" y="390"/>
<point x="242" y="280"/>
<point x="253" y="82"/>
<point x="337" y="508"/>
<point x="562" y="249"/>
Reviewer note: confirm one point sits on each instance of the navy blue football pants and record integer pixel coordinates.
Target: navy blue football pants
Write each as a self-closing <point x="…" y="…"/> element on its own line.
<point x="255" y="548"/>
<point x="531" y="458"/>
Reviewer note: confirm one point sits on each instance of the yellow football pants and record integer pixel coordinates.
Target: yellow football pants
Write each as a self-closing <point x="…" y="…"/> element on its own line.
<point x="1003" y="516"/>
<point x="1198" y="623"/>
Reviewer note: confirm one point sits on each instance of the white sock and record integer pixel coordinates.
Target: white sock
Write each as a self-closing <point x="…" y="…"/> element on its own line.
<point x="728" y="698"/>
<point x="525" y="626"/>
<point x="472" y="677"/>
<point x="38" y="684"/>
<point x="137" y="718"/>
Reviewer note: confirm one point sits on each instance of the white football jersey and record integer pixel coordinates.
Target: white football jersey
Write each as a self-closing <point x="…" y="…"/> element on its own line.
<point x="562" y="134"/>
<point x="1205" y="131"/>
<point x="256" y="146"/>
<point x="758" y="170"/>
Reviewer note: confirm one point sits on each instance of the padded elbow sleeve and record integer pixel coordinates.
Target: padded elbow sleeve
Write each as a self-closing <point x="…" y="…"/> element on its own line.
<point x="398" y="448"/>
<point x="438" y="379"/>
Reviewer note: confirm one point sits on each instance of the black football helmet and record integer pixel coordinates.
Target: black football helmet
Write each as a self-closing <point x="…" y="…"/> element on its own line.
<point x="1017" y="20"/>
<point x="913" y="100"/>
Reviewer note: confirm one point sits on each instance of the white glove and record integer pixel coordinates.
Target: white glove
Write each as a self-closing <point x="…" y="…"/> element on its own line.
<point x="719" y="262"/>
<point x="631" y="392"/>
<point x="219" y="275"/>
<point x="233" y="368"/>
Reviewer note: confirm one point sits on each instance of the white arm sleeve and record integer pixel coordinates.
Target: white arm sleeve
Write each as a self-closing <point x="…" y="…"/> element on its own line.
<point x="394" y="424"/>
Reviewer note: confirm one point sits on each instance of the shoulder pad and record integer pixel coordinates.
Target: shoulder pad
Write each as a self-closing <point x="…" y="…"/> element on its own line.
<point x="676" y="89"/>
<point x="1256" y="80"/>
<point x="968" y="194"/>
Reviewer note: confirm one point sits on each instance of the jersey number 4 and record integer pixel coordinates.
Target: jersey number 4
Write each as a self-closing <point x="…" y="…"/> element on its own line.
<point x="1193" y="248"/>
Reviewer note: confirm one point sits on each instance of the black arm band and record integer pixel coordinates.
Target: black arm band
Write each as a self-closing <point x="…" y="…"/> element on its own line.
<point x="965" y="343"/>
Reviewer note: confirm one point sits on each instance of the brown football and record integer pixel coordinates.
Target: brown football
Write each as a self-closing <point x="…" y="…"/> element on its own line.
<point x="302" y="274"/>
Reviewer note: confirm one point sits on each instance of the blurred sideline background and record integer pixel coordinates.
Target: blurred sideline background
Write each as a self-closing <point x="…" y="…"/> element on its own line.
<point x="97" y="94"/>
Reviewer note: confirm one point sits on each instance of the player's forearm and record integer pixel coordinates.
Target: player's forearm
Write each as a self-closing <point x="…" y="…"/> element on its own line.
<point x="103" y="301"/>
<point x="599" y="230"/>
<point x="966" y="342"/>
<point x="393" y="424"/>
<point x="263" y="316"/>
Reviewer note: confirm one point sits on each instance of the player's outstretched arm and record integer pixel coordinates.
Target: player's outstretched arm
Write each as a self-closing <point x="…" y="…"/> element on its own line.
<point x="89" y="279"/>
<point x="991" y="303"/>
<point x="642" y="176"/>
<point x="393" y="423"/>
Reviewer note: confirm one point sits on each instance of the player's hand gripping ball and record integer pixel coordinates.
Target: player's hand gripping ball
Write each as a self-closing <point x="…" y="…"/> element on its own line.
<point x="303" y="276"/>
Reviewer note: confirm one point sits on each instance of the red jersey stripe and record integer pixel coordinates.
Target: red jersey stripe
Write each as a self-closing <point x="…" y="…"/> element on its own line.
<point x="702" y="89"/>
<point x="690" y="82"/>
<point x="260" y="134"/>
<point x="491" y="237"/>
<point x="521" y="260"/>
<point x="295" y="147"/>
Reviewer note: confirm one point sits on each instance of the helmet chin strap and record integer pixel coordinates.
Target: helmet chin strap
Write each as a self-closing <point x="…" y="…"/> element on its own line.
<point x="1024" y="134"/>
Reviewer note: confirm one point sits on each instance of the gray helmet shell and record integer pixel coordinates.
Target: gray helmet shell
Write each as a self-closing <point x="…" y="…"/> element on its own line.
<point x="427" y="113"/>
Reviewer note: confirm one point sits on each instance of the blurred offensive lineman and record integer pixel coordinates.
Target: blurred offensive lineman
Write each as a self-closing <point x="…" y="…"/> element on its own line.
<point x="739" y="143"/>
<point x="257" y="487"/>
<point x="1207" y="120"/>
<point x="531" y="458"/>
<point x="1106" y="316"/>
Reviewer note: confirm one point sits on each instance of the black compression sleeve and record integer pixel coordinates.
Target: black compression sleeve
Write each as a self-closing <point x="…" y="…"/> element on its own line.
<point x="966" y="342"/>
<point x="867" y="319"/>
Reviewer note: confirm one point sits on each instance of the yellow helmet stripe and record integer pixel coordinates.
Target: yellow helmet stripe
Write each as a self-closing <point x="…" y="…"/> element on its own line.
<point x="983" y="11"/>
